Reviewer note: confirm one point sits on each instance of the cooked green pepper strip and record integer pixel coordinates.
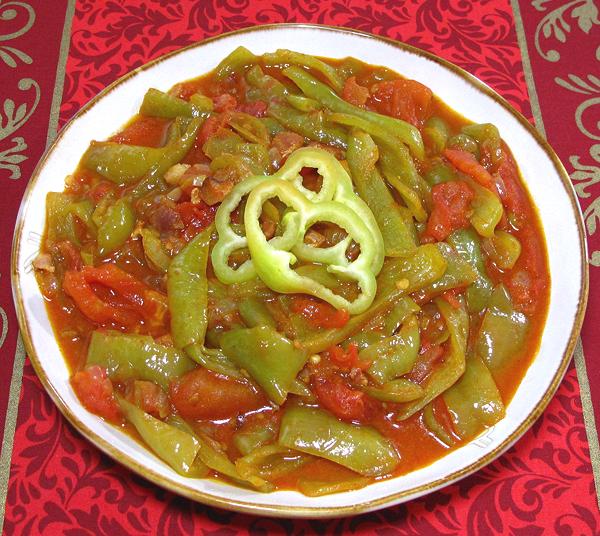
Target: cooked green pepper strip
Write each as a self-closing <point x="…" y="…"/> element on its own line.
<point x="235" y="62"/>
<point x="399" y="234"/>
<point x="359" y="448"/>
<point x="466" y="243"/>
<point x="289" y="57"/>
<point x="487" y="209"/>
<point x="153" y="250"/>
<point x="474" y="401"/>
<point x="137" y="357"/>
<point x="248" y="440"/>
<point x="172" y="445"/>
<point x="459" y="272"/>
<point x="270" y="462"/>
<point x="157" y="103"/>
<point x="117" y="225"/>
<point x="187" y="291"/>
<point x="303" y="104"/>
<point x="502" y="333"/>
<point x="318" y="488"/>
<point x="255" y="313"/>
<point x="394" y="356"/>
<point x="60" y="214"/>
<point x="211" y="453"/>
<point x="503" y="249"/>
<point x="311" y="125"/>
<point x="488" y="137"/>
<point x="312" y="88"/>
<point x="270" y="88"/>
<point x="397" y="391"/>
<point x="125" y="164"/>
<point x="435" y="427"/>
<point x="435" y="131"/>
<point x="213" y="359"/>
<point x="271" y="360"/>
<point x="250" y="128"/>
<point x="397" y="278"/>
<point x="446" y="374"/>
<point x="396" y="163"/>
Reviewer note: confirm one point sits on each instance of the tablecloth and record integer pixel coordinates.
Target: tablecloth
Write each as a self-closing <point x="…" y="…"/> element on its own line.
<point x="542" y="55"/>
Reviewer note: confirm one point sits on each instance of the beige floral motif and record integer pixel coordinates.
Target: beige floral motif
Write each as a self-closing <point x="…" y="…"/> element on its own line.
<point x="556" y="23"/>
<point x="18" y="17"/>
<point x="585" y="176"/>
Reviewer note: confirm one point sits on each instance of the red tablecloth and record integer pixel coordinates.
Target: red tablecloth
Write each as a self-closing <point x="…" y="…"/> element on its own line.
<point x="54" y="56"/>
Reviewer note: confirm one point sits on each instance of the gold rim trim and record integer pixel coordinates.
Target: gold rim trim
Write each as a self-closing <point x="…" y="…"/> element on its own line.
<point x="295" y="511"/>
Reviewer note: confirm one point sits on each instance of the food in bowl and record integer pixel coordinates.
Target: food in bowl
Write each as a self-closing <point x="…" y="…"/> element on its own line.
<point x="296" y="273"/>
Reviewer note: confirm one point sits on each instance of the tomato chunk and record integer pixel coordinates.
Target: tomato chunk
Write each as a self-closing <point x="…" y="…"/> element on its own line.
<point x="451" y="206"/>
<point x="337" y="396"/>
<point x="408" y="100"/>
<point x="355" y="93"/>
<point x="320" y="314"/>
<point x="468" y="164"/>
<point x="95" y="391"/>
<point x="149" y="397"/>
<point x="347" y="359"/>
<point x="202" y="394"/>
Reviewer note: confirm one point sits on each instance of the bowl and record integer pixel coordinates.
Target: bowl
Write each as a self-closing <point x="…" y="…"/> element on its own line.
<point x="544" y="175"/>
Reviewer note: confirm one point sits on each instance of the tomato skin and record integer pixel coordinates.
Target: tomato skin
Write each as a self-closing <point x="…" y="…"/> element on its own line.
<point x="95" y="391"/>
<point x="451" y="204"/>
<point x="335" y="395"/>
<point x="468" y="164"/>
<point x="320" y="314"/>
<point x="347" y="359"/>
<point x="146" y="131"/>
<point x="408" y="100"/>
<point x="202" y="394"/>
<point x="354" y="93"/>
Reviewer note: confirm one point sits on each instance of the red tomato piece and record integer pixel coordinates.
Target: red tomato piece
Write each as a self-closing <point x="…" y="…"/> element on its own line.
<point x="95" y="391"/>
<point x="320" y="314"/>
<point x="224" y="102"/>
<point x="71" y="255"/>
<point x="451" y="205"/>
<point x="256" y="108"/>
<point x="408" y="100"/>
<point x="149" y="397"/>
<point x="335" y="395"/>
<point x="468" y="164"/>
<point x="347" y="359"/>
<point x="146" y="131"/>
<point x="202" y="394"/>
<point x="355" y="93"/>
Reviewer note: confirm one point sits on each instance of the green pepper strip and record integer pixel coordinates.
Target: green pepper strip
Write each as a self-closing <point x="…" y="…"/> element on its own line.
<point x="446" y="374"/>
<point x="271" y="359"/>
<point x="124" y="164"/>
<point x="136" y="357"/>
<point x="396" y="164"/>
<point x="172" y="445"/>
<point x="153" y="250"/>
<point x="466" y="243"/>
<point x="397" y="228"/>
<point x="311" y="125"/>
<point x="487" y="209"/>
<point x="235" y="62"/>
<point x="289" y="57"/>
<point x="157" y="103"/>
<point x="117" y="225"/>
<point x="474" y="400"/>
<point x="187" y="291"/>
<point x="395" y="355"/>
<point x="359" y="448"/>
<point x="314" y="89"/>
<point x="502" y="333"/>
<point x="399" y="277"/>
<point x="397" y="391"/>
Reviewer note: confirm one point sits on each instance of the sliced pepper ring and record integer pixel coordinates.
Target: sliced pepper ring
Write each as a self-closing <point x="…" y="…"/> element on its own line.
<point x="273" y="265"/>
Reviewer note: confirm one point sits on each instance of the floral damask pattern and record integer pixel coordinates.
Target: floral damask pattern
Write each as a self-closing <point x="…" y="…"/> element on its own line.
<point x="61" y="484"/>
<point x="16" y="19"/>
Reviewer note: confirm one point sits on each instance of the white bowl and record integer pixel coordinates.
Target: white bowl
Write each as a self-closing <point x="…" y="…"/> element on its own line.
<point x="543" y="173"/>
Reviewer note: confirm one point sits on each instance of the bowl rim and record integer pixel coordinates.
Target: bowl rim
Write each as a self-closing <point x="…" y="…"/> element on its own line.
<point x="290" y="510"/>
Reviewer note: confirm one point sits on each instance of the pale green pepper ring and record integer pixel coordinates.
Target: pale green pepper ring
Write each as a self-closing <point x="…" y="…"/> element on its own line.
<point x="273" y="265"/>
<point x="335" y="202"/>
